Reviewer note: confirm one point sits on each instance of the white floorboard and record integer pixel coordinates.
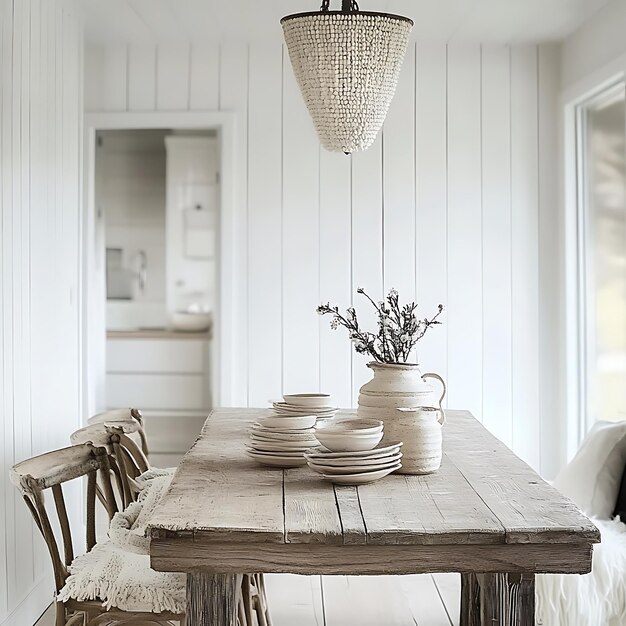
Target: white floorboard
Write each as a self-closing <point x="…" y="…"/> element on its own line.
<point x="295" y="600"/>
<point x="420" y="600"/>
<point x="449" y="587"/>
<point x="424" y="600"/>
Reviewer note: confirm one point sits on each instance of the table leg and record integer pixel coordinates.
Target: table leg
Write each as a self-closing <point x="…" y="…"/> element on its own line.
<point x="212" y="599"/>
<point x="498" y="600"/>
<point x="470" y="600"/>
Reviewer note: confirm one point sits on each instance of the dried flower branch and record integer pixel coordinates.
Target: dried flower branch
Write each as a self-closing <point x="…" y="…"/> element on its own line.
<point x="399" y="329"/>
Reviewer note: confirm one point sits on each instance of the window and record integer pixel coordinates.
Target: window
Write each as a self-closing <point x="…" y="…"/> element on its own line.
<point x="601" y="173"/>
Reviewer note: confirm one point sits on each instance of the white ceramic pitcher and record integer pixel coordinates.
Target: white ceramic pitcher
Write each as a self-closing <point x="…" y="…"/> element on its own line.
<point x="420" y="430"/>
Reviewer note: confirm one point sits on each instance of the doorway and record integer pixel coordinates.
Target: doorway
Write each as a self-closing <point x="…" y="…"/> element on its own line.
<point x="157" y="271"/>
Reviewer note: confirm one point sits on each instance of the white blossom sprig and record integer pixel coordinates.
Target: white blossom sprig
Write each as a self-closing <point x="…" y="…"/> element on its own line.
<point x="399" y="328"/>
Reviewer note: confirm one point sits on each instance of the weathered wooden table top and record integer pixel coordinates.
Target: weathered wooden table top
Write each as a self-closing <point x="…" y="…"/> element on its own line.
<point x="484" y="510"/>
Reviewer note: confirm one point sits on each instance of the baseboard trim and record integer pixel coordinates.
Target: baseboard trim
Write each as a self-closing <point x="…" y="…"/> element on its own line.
<point x="32" y="607"/>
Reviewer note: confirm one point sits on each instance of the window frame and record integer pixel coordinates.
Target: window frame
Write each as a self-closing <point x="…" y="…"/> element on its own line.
<point x="574" y="219"/>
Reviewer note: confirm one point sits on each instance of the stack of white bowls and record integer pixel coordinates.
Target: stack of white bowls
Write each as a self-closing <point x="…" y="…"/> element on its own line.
<point x="281" y="441"/>
<point x="350" y="453"/>
<point x="295" y="404"/>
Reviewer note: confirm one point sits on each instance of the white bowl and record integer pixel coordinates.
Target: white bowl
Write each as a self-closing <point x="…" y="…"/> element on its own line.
<point x="191" y="322"/>
<point x="347" y="442"/>
<point x="295" y="421"/>
<point x="355" y="426"/>
<point x="307" y="399"/>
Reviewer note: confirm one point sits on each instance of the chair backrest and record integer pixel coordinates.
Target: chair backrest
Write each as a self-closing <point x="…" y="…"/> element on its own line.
<point x="127" y="459"/>
<point x="124" y="415"/>
<point x="50" y="471"/>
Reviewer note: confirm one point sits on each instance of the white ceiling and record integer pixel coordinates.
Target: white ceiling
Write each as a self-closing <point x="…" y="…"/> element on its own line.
<point x="501" y="21"/>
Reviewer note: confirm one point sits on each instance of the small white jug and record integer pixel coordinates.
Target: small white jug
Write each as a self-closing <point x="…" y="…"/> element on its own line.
<point x="420" y="429"/>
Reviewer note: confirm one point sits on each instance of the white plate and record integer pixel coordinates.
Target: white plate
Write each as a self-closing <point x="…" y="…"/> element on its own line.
<point x="274" y="436"/>
<point x="361" y="478"/>
<point x="307" y="399"/>
<point x="276" y="421"/>
<point x="364" y="463"/>
<point x="277" y="461"/>
<point x="274" y="446"/>
<point x="256" y="427"/>
<point x="285" y="453"/>
<point x="282" y="411"/>
<point x="377" y="452"/>
<point x="355" y="469"/>
<point x="292" y="408"/>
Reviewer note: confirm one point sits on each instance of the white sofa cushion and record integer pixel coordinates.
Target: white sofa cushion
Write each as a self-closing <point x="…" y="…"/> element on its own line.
<point x="592" y="478"/>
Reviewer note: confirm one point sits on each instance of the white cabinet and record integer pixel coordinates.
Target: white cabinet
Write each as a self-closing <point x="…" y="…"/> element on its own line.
<point x="159" y="375"/>
<point x="162" y="392"/>
<point x="167" y="356"/>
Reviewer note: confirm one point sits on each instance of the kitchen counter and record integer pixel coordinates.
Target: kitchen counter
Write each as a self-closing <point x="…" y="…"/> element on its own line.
<point x="157" y="333"/>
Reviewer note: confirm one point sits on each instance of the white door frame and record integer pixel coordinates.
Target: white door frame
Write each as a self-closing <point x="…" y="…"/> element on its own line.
<point x="93" y="329"/>
<point x="571" y="223"/>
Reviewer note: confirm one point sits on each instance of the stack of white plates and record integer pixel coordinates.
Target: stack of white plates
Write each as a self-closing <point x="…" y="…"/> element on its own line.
<point x="351" y="454"/>
<point x="282" y="441"/>
<point x="355" y="468"/>
<point x="318" y="404"/>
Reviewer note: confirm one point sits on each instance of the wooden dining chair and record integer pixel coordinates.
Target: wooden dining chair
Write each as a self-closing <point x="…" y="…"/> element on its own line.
<point x="124" y="415"/>
<point x="127" y="463"/>
<point x="126" y="458"/>
<point x="50" y="471"/>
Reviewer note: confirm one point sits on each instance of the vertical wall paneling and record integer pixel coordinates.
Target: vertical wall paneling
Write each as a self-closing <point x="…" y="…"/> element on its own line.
<point x="233" y="92"/>
<point x="367" y="246"/>
<point x="265" y="224"/>
<point x="204" y="77"/>
<point x="40" y="113"/>
<point x="94" y="77"/>
<point x="21" y="294"/>
<point x="141" y="77"/>
<point x="173" y="77"/>
<point x="464" y="315"/>
<point x="6" y="409"/>
<point x="496" y="240"/>
<point x="335" y="272"/>
<point x="431" y="238"/>
<point x="443" y="206"/>
<point x="301" y="359"/>
<point x="17" y="580"/>
<point x="398" y="138"/>
<point x="114" y="78"/>
<point x="524" y="279"/>
<point x="551" y="411"/>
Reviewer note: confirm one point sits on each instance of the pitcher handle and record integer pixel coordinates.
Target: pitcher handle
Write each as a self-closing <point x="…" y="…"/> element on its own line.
<point x="442" y="420"/>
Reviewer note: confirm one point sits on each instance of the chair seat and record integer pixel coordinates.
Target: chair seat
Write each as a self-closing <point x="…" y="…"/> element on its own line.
<point x="123" y="580"/>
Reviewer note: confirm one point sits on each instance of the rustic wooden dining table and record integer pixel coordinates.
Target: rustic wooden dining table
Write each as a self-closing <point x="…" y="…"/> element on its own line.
<point x="484" y="513"/>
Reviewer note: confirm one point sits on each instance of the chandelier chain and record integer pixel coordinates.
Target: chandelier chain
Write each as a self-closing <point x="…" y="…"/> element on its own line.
<point x="353" y="6"/>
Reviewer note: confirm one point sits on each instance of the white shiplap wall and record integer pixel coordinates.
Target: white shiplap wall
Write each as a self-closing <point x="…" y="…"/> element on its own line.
<point x="445" y="206"/>
<point x="41" y="99"/>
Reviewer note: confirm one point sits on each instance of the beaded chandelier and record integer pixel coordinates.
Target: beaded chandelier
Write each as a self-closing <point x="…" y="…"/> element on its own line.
<point x="347" y="65"/>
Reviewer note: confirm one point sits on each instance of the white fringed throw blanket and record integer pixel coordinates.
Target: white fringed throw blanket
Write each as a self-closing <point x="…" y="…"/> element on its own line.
<point x="118" y="571"/>
<point x="594" y="599"/>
